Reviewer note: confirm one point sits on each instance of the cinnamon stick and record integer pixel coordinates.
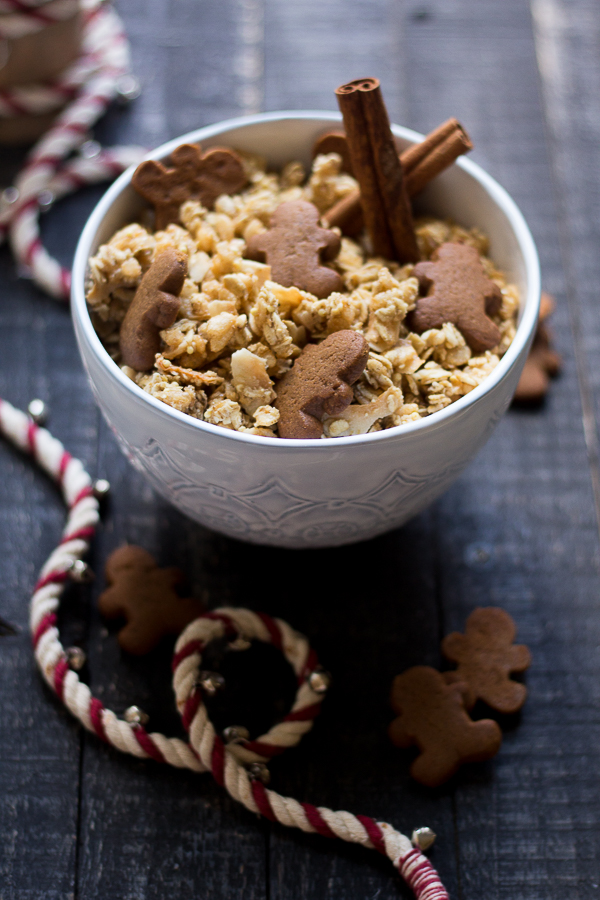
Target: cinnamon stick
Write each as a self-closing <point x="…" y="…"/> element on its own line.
<point x="441" y="147"/>
<point x="421" y="163"/>
<point x="377" y="168"/>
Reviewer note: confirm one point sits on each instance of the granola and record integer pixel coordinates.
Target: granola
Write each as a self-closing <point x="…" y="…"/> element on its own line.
<point x="238" y="332"/>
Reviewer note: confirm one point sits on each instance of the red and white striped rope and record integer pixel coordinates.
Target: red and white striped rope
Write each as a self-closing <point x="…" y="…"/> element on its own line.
<point x="18" y="19"/>
<point x="92" y="83"/>
<point x="227" y="762"/>
<point x="83" y="515"/>
<point x="206" y="750"/>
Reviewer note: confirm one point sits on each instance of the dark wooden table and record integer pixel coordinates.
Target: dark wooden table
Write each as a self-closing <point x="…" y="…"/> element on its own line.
<point x="519" y="529"/>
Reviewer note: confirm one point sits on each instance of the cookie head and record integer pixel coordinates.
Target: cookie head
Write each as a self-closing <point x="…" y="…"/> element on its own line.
<point x="486" y="656"/>
<point x="319" y="383"/>
<point x="144" y="595"/>
<point x="455" y="288"/>
<point x="154" y="307"/>
<point x="192" y="175"/>
<point x="295" y="247"/>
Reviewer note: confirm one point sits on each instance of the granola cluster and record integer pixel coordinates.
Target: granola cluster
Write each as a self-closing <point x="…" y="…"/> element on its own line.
<point x="238" y="331"/>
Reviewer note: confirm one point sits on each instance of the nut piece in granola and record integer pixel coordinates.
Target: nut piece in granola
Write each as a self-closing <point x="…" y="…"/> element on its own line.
<point x="458" y="291"/>
<point x="194" y="176"/>
<point x="318" y="383"/>
<point x="155" y="306"/>
<point x="294" y="246"/>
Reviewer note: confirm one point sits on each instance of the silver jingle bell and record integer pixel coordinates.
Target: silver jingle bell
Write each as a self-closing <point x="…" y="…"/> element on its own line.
<point x="45" y="199"/>
<point x="235" y="734"/>
<point x="319" y="680"/>
<point x="9" y="196"/>
<point x="90" y="150"/>
<point x="38" y="411"/>
<point x="133" y="715"/>
<point x="239" y="643"/>
<point x="101" y="488"/>
<point x="128" y="89"/>
<point x="210" y="683"/>
<point x="80" y="572"/>
<point x="259" y="772"/>
<point x="76" y="658"/>
<point x="423" y="838"/>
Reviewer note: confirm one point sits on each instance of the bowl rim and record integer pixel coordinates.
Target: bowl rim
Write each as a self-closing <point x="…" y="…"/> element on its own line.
<point x="498" y="194"/>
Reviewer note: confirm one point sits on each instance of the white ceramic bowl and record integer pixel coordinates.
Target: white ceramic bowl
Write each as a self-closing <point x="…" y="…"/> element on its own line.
<point x="309" y="493"/>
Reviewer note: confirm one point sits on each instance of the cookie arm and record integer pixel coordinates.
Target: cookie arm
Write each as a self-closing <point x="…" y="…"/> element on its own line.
<point x="428" y="313"/>
<point x="453" y="646"/>
<point x="147" y="177"/>
<point x="480" y="334"/>
<point x="164" y="311"/>
<point x="424" y="272"/>
<point x="331" y="244"/>
<point x="110" y="604"/>
<point x="493" y="300"/>
<point x="257" y="246"/>
<point x="519" y="657"/>
<point x="399" y="735"/>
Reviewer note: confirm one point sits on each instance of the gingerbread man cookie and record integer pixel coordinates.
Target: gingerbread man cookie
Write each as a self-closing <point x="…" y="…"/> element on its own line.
<point x="432" y="715"/>
<point x="154" y="307"/>
<point x="486" y="655"/>
<point x="320" y="382"/>
<point x="294" y="246"/>
<point x="145" y="596"/>
<point x="458" y="291"/>
<point x="334" y="142"/>
<point x="194" y="176"/>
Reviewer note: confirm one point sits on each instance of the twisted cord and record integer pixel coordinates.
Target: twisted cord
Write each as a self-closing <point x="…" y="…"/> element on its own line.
<point x="19" y="18"/>
<point x="228" y="767"/>
<point x="206" y="750"/>
<point x="51" y="657"/>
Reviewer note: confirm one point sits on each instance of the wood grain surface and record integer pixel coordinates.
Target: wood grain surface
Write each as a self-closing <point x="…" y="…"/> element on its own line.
<point x="519" y="529"/>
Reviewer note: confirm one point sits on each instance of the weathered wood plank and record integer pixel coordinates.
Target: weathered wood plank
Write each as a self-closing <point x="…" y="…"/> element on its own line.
<point x="519" y="528"/>
<point x="566" y="37"/>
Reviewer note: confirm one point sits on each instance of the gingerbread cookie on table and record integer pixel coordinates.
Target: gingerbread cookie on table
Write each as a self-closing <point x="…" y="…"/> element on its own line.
<point x="145" y="596"/>
<point x="432" y="715"/>
<point x="456" y="289"/>
<point x="319" y="383"/>
<point x="155" y="306"/>
<point x="486" y="657"/>
<point x="295" y="246"/>
<point x="193" y="175"/>
<point x="543" y="362"/>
